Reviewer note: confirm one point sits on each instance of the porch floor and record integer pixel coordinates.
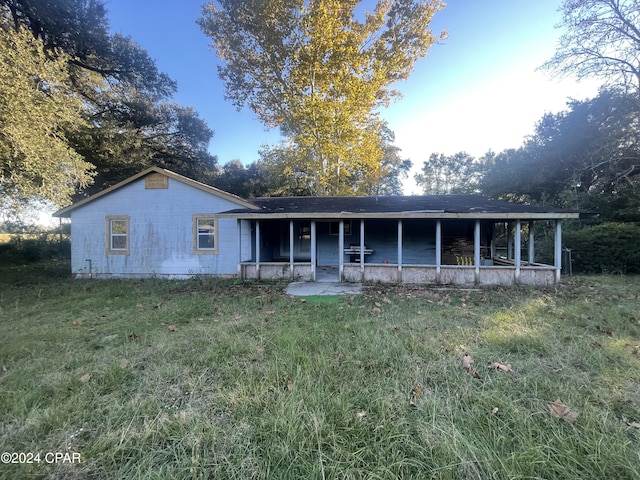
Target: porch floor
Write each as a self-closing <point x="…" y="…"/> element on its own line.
<point x="327" y="274"/>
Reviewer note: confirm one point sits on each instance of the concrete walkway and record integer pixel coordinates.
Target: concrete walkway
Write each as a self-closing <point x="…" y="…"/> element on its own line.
<point x="306" y="289"/>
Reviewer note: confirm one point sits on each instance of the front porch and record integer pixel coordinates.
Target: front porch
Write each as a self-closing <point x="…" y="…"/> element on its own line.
<point x="429" y="251"/>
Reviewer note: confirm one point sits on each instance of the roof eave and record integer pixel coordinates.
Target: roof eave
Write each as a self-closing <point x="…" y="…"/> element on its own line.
<point x="401" y="215"/>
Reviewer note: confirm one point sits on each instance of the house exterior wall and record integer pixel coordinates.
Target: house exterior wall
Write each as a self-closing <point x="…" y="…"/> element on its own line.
<point x="161" y="233"/>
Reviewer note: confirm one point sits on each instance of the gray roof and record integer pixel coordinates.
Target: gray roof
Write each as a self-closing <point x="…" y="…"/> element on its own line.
<point x="396" y="206"/>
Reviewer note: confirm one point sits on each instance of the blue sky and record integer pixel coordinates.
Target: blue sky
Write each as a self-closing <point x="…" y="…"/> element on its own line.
<point x="479" y="90"/>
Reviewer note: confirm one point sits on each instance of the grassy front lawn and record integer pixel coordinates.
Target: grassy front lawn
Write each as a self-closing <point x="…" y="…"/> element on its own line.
<point x="220" y="379"/>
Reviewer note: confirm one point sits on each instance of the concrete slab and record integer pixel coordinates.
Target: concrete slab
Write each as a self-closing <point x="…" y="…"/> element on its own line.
<point x="306" y="289"/>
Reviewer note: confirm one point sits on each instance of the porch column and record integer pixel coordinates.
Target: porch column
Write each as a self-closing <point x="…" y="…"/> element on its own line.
<point x="557" y="254"/>
<point x="239" y="224"/>
<point x="258" y="249"/>
<point x="509" y="241"/>
<point x="438" y="249"/>
<point x="291" y="249"/>
<point x="399" y="250"/>
<point x="362" y="249"/>
<point x="518" y="252"/>
<point x="476" y="251"/>
<point x="341" y="250"/>
<point x="532" y="250"/>
<point x="313" y="250"/>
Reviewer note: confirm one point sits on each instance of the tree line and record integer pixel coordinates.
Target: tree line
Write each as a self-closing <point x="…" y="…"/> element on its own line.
<point x="586" y="157"/>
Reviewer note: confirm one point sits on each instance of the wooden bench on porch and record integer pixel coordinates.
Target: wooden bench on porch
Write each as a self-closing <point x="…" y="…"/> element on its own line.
<point x="354" y="252"/>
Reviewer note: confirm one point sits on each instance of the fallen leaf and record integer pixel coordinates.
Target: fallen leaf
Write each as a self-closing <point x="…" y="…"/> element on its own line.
<point x="494" y="410"/>
<point x="124" y="363"/>
<point x="415" y="393"/>
<point x="133" y="337"/>
<point x="361" y="414"/>
<point x="85" y="378"/>
<point x="288" y="384"/>
<point x="376" y="310"/>
<point x="467" y="363"/>
<point x="377" y="304"/>
<point x="635" y="349"/>
<point x="606" y="330"/>
<point x="76" y="323"/>
<point x="500" y="366"/>
<point x="172" y="328"/>
<point x="560" y="410"/>
<point x="270" y="312"/>
<point x="259" y="349"/>
<point x="630" y="423"/>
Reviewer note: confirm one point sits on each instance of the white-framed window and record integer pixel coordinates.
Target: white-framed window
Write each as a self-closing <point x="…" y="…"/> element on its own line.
<point x="117" y="234"/>
<point x="205" y="233"/>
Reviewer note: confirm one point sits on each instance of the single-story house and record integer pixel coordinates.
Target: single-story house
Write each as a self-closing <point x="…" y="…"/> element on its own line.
<point x="161" y="224"/>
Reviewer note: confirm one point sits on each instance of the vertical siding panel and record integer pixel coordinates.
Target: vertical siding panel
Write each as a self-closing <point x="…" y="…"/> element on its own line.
<point x="160" y="229"/>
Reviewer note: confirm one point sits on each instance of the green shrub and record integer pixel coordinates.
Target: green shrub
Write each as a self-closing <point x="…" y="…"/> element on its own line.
<point x="20" y="250"/>
<point x="605" y="248"/>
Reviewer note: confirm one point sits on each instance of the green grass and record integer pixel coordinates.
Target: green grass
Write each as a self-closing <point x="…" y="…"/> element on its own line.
<point x="256" y="384"/>
<point x="314" y="299"/>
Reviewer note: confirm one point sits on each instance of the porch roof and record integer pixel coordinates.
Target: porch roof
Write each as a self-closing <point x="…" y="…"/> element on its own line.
<point x="397" y="206"/>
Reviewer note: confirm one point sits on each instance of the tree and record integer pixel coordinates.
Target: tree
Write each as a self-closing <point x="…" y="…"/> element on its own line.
<point x="37" y="114"/>
<point x="587" y="156"/>
<point x="80" y="28"/>
<point x="601" y="40"/>
<point x="128" y="121"/>
<point x="387" y="179"/>
<point x="442" y="174"/>
<point x="320" y="74"/>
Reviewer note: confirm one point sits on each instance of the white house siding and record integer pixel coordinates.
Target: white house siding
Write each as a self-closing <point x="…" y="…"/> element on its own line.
<point x="160" y="233"/>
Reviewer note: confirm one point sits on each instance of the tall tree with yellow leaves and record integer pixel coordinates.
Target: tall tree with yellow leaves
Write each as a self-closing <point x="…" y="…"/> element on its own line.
<point x="321" y="70"/>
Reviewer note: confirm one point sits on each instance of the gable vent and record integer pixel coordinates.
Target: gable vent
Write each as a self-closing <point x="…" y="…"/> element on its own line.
<point x="156" y="181"/>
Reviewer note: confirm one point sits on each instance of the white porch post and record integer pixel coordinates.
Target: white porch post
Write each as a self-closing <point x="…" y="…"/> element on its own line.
<point x="558" y="250"/>
<point x="438" y="249"/>
<point x="258" y="249"/>
<point x="532" y="249"/>
<point x="399" y="250"/>
<point x="341" y="250"/>
<point x="313" y="250"/>
<point x="476" y="251"/>
<point x="239" y="223"/>
<point x="362" y="249"/>
<point x="518" y="251"/>
<point x="291" y="249"/>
